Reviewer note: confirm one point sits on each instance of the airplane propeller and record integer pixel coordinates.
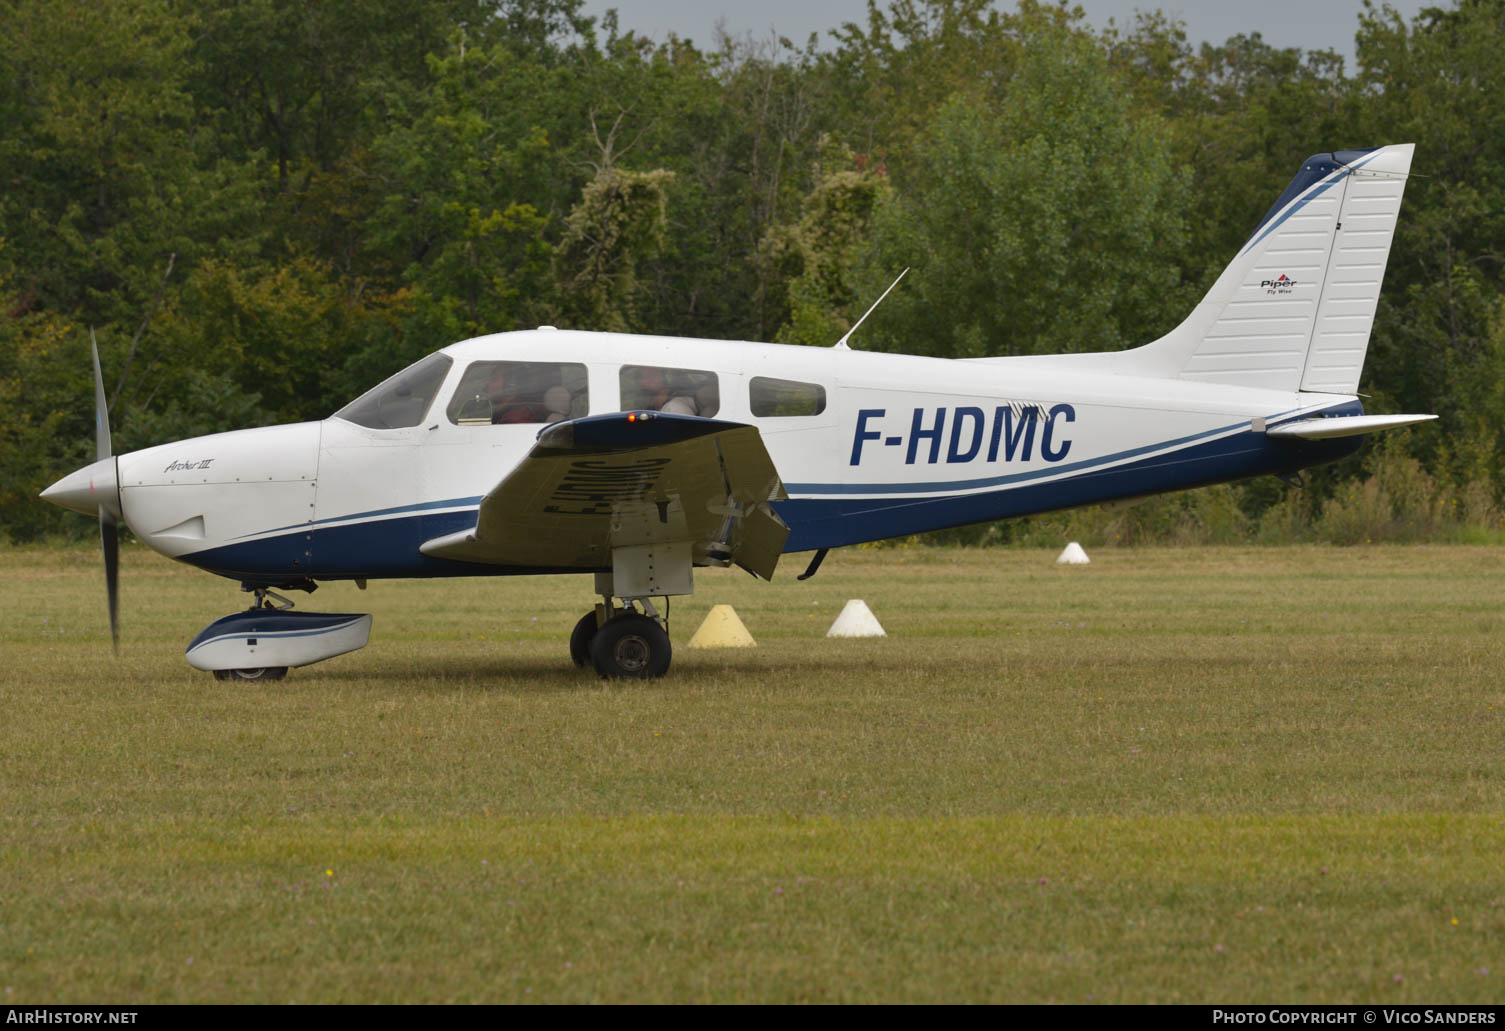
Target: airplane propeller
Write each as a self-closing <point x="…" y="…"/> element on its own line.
<point x="109" y="530"/>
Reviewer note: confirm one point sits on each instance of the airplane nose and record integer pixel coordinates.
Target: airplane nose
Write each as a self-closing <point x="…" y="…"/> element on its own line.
<point x="87" y="490"/>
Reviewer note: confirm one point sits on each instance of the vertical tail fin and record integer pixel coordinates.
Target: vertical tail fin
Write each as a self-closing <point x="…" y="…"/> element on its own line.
<point x="1294" y="309"/>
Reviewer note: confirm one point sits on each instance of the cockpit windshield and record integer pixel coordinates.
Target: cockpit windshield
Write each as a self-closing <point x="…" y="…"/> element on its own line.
<point x="402" y="400"/>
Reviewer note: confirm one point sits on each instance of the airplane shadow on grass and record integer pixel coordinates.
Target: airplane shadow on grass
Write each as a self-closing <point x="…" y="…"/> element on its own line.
<point x="527" y="676"/>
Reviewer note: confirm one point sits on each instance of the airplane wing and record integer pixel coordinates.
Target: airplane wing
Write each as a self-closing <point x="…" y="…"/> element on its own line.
<point x="603" y="482"/>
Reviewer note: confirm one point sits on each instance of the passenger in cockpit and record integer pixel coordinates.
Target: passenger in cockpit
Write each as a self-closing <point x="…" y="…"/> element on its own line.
<point x="653" y="388"/>
<point x="557" y="402"/>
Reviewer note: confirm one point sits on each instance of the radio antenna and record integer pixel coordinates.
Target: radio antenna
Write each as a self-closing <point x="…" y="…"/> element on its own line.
<point x="842" y="343"/>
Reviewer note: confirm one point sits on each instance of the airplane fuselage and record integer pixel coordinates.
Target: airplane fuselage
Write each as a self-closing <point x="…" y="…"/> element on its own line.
<point x="868" y="445"/>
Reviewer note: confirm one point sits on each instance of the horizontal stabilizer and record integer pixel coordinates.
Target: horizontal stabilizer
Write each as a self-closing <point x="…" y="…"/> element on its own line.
<point x="1343" y="426"/>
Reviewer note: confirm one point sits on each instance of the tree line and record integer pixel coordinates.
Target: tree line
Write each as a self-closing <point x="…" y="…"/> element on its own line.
<point x="263" y="207"/>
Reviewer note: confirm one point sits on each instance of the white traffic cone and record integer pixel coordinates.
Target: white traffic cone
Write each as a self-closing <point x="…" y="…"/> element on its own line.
<point x="1072" y="555"/>
<point x="856" y="620"/>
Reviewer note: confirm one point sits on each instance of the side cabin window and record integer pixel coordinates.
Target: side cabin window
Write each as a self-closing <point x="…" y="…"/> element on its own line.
<point x="678" y="391"/>
<point x="402" y="400"/>
<point x="774" y="398"/>
<point x="498" y="393"/>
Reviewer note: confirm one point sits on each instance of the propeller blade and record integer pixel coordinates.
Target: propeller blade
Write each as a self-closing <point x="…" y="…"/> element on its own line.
<point x="109" y="540"/>
<point x="101" y="406"/>
<point x="109" y="531"/>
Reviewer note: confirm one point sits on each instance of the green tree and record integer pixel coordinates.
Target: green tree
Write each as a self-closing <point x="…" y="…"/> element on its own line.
<point x="1047" y="219"/>
<point x="897" y="70"/>
<point x="814" y="256"/>
<point x="616" y="226"/>
<point x="462" y="176"/>
<point x="1436" y="82"/>
<point x="46" y="396"/>
<point x="106" y="182"/>
<point x="272" y="334"/>
<point x="300" y="82"/>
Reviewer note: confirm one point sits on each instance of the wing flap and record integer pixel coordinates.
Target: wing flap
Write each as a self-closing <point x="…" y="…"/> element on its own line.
<point x="628" y="479"/>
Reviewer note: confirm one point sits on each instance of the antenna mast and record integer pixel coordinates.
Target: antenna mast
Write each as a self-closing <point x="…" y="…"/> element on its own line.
<point x="842" y="343"/>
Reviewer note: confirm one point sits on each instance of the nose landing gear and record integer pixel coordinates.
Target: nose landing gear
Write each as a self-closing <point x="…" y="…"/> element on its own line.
<point x="262" y="642"/>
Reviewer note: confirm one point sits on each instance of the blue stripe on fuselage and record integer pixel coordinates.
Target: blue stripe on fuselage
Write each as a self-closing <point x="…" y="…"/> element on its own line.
<point x="381" y="546"/>
<point x="378" y="513"/>
<point x="836" y="522"/>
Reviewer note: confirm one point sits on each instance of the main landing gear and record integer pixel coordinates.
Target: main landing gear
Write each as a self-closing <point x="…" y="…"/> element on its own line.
<point x="624" y="636"/>
<point x="627" y="641"/>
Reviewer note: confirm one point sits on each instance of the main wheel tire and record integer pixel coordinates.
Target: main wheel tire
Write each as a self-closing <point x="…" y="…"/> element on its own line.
<point x="581" y="638"/>
<point x="259" y="673"/>
<point x="584" y="633"/>
<point x="631" y="646"/>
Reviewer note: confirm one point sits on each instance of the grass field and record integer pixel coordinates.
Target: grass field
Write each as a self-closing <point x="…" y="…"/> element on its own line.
<point x="1173" y="775"/>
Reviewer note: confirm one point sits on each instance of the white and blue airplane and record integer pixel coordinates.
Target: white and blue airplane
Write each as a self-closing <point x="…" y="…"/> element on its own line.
<point x="639" y="458"/>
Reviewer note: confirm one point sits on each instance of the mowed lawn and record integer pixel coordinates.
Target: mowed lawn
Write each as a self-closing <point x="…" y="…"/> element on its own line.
<point x="1172" y="775"/>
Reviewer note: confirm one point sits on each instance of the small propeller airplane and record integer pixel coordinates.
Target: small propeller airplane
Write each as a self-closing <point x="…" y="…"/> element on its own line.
<point x="639" y="458"/>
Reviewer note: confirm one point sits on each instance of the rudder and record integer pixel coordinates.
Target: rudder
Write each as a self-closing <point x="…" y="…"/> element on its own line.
<point x="1356" y="269"/>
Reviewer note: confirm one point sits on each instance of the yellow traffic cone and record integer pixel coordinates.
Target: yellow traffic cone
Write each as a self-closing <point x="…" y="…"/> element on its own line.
<point x="721" y="629"/>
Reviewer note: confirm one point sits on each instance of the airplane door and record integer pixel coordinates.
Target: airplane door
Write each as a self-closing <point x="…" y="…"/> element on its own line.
<point x="483" y="429"/>
<point x="366" y="501"/>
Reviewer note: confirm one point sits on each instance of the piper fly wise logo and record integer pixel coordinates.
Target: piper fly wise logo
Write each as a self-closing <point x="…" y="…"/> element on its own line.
<point x="1284" y="285"/>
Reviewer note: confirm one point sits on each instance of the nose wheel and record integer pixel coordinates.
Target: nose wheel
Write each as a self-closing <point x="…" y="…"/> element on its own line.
<point x="630" y="645"/>
<point x="262" y="673"/>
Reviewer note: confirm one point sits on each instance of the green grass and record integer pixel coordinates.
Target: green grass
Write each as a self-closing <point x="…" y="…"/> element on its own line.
<point x="1268" y="774"/>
